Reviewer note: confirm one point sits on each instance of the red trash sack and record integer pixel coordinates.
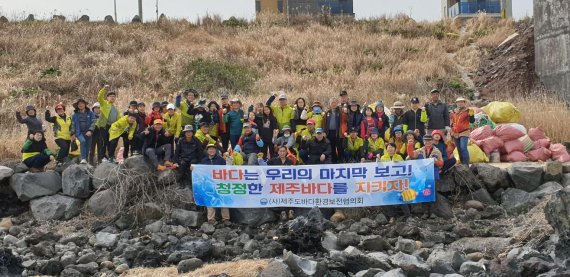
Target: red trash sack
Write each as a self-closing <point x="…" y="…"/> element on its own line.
<point x="514" y="157"/>
<point x="513" y="145"/>
<point x="541" y="143"/>
<point x="508" y="133"/>
<point x="536" y="133"/>
<point x="559" y="153"/>
<point x="541" y="154"/>
<point x="491" y="144"/>
<point x="481" y="133"/>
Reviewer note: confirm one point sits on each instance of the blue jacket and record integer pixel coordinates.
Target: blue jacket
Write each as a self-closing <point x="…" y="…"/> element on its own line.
<point x="216" y="160"/>
<point x="76" y="124"/>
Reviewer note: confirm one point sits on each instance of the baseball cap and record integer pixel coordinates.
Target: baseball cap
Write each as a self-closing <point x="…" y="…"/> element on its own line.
<point x="428" y="137"/>
<point x="311" y="121"/>
<point x="157" y="121"/>
<point x="282" y="96"/>
<point x="434" y="91"/>
<point x="415" y="100"/>
<point x="353" y="130"/>
<point x="170" y="107"/>
<point x="343" y="93"/>
<point x="319" y="130"/>
<point x="133" y="103"/>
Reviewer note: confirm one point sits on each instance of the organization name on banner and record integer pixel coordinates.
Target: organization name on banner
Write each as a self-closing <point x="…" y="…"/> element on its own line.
<point x="326" y="186"/>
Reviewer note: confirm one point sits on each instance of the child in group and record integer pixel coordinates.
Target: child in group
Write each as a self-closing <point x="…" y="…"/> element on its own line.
<point x="374" y="146"/>
<point x="411" y="138"/>
<point x="61" y="123"/>
<point x="31" y="120"/>
<point x="35" y="153"/>
<point x="399" y="140"/>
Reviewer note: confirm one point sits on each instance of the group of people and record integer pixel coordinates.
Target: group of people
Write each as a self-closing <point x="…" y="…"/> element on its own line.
<point x="192" y="131"/>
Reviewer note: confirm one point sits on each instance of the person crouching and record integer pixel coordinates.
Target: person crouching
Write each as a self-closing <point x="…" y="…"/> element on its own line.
<point x="35" y="153"/>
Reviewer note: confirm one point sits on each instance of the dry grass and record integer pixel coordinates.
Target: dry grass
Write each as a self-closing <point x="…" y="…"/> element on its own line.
<point x="384" y="58"/>
<point x="243" y="268"/>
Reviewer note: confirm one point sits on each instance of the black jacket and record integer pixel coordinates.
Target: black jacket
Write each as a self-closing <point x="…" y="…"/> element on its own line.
<point x="189" y="151"/>
<point x="315" y="148"/>
<point x="266" y="125"/>
<point x="277" y="161"/>
<point x="438" y="115"/>
<point x="216" y="160"/>
<point x="154" y="139"/>
<point x="412" y="119"/>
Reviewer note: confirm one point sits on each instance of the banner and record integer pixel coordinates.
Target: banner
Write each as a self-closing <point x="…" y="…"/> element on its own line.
<point x="325" y="186"/>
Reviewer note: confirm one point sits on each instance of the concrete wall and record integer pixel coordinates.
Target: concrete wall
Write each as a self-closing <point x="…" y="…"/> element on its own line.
<point x="552" y="44"/>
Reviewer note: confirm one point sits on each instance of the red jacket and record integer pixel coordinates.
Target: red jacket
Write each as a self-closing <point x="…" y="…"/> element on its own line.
<point x="365" y="127"/>
<point x="151" y="117"/>
<point x="460" y="120"/>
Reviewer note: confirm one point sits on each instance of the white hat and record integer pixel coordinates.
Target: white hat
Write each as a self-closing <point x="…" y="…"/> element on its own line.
<point x="282" y="96"/>
<point x="170" y="107"/>
<point x="96" y="105"/>
<point x="459" y="99"/>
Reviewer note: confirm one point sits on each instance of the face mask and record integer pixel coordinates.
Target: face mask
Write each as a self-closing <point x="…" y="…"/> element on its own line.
<point x="286" y="135"/>
<point x="317" y="110"/>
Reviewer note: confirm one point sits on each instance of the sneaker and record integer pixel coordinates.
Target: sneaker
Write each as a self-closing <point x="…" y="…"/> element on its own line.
<point x="111" y="160"/>
<point x="58" y="164"/>
<point x="136" y="153"/>
<point x="161" y="168"/>
<point x="227" y="222"/>
<point x="104" y="160"/>
<point x="83" y="161"/>
<point x="212" y="222"/>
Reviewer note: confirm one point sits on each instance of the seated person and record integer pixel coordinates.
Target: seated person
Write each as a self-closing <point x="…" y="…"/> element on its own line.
<point x="35" y="153"/>
<point x="448" y="162"/>
<point x="157" y="145"/>
<point x="189" y="151"/>
<point x="318" y="149"/>
<point x="250" y="144"/>
<point x="390" y="155"/>
<point x="285" y="140"/>
<point x="373" y="146"/>
<point x="353" y="146"/>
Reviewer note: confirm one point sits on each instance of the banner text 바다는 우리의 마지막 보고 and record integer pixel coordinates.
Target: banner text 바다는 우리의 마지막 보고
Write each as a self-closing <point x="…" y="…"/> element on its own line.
<point x="324" y="186"/>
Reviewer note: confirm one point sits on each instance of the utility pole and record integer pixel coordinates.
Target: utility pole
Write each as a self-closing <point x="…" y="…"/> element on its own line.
<point x="157" y="11"/>
<point x="140" y="10"/>
<point x="115" y="10"/>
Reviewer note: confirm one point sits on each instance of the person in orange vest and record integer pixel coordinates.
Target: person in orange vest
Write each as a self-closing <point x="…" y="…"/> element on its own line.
<point x="461" y="120"/>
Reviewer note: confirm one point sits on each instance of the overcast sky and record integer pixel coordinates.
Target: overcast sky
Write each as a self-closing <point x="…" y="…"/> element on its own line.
<point x="192" y="9"/>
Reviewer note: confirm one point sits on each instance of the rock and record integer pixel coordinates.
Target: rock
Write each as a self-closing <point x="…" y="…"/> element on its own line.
<point x="566" y="180"/>
<point x="122" y="268"/>
<point x="88" y="269"/>
<point x="33" y="185"/>
<point x="68" y="258"/>
<point x="546" y="189"/>
<point x="105" y="240"/>
<point x="251" y="246"/>
<point x="83" y="18"/>
<point x="107" y="264"/>
<point x="136" y="19"/>
<point x="6" y="223"/>
<point x="149" y="211"/>
<point x="79" y="239"/>
<point x="76" y="181"/>
<point x="464" y="177"/>
<point x="109" y="19"/>
<point x="557" y="211"/>
<point x="398" y="272"/>
<point x="70" y="272"/>
<point x="411" y="265"/>
<point x="553" y="171"/>
<point x="15" y="230"/>
<point x="207" y="228"/>
<point x="483" y="196"/>
<point x="276" y="269"/>
<point x="442" y="207"/>
<point x="381" y="219"/>
<point x="330" y="241"/>
<point x="188" y="265"/>
<point x="40" y="235"/>
<point x="56" y="17"/>
<point x="446" y="184"/>
<point x="103" y="203"/>
<point x="492" y="177"/>
<point x="517" y="201"/>
<point x="430" y="239"/>
<point x="30" y="18"/>
<point x="148" y="258"/>
<point x="374" y="243"/>
<point x="55" y="207"/>
<point x="252" y="217"/>
<point x="52" y="268"/>
<point x="407" y="246"/>
<point x="9" y="239"/>
<point x="200" y="248"/>
<point x="3" y="19"/>
<point x="348" y="239"/>
<point x="369" y="272"/>
<point x="87" y="258"/>
<point x="154" y="227"/>
<point x="489" y="245"/>
<point x="125" y="221"/>
<point x="21" y="168"/>
<point x="5" y="173"/>
<point x="106" y="175"/>
<point x="303" y="267"/>
<point x="187" y="218"/>
<point x="43" y="249"/>
<point x="167" y="177"/>
<point x="526" y="176"/>
<point x="468" y="268"/>
<point x="474" y="204"/>
<point x="475" y="256"/>
<point x="535" y="266"/>
<point x="444" y="261"/>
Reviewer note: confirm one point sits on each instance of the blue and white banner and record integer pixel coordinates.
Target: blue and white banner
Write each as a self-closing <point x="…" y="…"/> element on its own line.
<point x="325" y="186"/>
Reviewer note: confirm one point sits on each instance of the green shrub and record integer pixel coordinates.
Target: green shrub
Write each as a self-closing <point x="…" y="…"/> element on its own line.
<point x="235" y="22"/>
<point x="207" y="76"/>
<point x="50" y="72"/>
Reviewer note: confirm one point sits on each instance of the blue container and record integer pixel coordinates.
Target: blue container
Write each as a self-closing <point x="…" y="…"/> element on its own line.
<point x="338" y="6"/>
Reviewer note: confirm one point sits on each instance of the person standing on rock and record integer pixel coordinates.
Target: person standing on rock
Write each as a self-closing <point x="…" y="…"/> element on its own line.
<point x="96" y="143"/>
<point x="397" y="116"/>
<point x="415" y="118"/>
<point x="31" y="120"/>
<point x="125" y="128"/>
<point x="189" y="151"/>
<point x="461" y="121"/>
<point x="157" y="145"/>
<point x="214" y="159"/>
<point x="61" y="123"/>
<point x="172" y="124"/>
<point x="234" y="121"/>
<point x="437" y="113"/>
<point x="141" y="126"/>
<point x="83" y="122"/>
<point x="109" y="114"/>
<point x="35" y="153"/>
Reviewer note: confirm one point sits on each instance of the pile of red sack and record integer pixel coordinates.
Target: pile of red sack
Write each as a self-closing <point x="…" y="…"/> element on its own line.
<point x="515" y="144"/>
